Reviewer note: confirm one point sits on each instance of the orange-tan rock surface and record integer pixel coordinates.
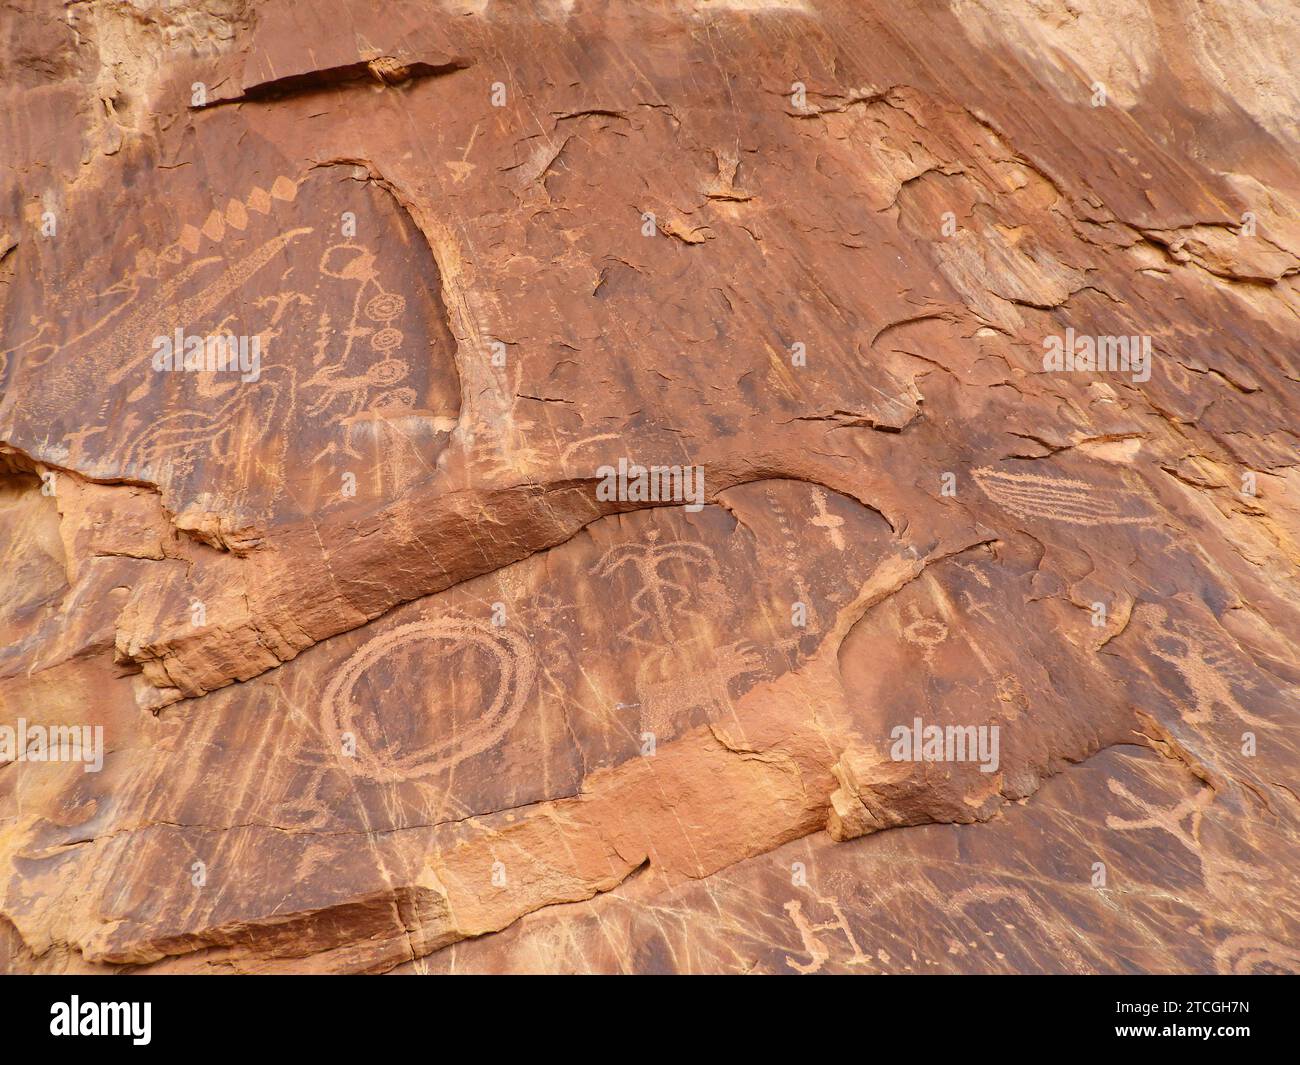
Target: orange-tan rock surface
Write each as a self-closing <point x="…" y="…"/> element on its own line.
<point x="388" y="680"/>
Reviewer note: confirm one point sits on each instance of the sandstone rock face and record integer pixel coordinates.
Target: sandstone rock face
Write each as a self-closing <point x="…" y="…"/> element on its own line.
<point x="963" y="639"/>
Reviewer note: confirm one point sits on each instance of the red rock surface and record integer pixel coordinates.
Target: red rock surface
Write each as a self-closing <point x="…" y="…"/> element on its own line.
<point x="387" y="684"/>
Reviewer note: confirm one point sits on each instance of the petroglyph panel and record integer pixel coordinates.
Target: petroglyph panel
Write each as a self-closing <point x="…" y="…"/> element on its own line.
<point x="366" y="645"/>
<point x="484" y="699"/>
<point x="907" y="902"/>
<point x="328" y="280"/>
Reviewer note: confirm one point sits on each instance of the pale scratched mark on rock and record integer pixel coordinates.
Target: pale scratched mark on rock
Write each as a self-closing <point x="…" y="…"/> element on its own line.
<point x="360" y="376"/>
<point x="658" y="598"/>
<point x="663" y="700"/>
<point x="989" y="894"/>
<point x="129" y="326"/>
<point x="343" y="484"/>
<point x="791" y="554"/>
<point x="923" y="898"/>
<point x="347" y="382"/>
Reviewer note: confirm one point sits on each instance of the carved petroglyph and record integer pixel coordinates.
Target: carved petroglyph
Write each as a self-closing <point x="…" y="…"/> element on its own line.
<point x="925" y="633"/>
<point x="1204" y="661"/>
<point x="661" y="597"/>
<point x="1223" y="876"/>
<point x="157" y="312"/>
<point x="336" y="377"/>
<point x="346" y="381"/>
<point x="236" y="216"/>
<point x="674" y="580"/>
<point x="953" y="912"/>
<point x="1255" y="956"/>
<point x="1011" y="696"/>
<point x="817" y="950"/>
<point x="791" y="553"/>
<point x="990" y="894"/>
<point x="393" y="739"/>
<point x="1029" y="495"/>
<point x="122" y="336"/>
<point x="824" y="519"/>
<point x="662" y="700"/>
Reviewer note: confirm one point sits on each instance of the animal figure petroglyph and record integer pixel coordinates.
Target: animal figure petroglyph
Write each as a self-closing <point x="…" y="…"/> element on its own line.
<point x="1223" y="876"/>
<point x="663" y="699"/>
<point x="1205" y="663"/>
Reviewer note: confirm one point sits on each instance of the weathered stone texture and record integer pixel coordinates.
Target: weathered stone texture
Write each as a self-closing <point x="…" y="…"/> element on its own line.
<point x="387" y="683"/>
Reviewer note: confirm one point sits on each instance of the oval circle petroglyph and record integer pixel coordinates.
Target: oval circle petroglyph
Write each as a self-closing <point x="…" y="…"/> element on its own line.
<point x="508" y="667"/>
